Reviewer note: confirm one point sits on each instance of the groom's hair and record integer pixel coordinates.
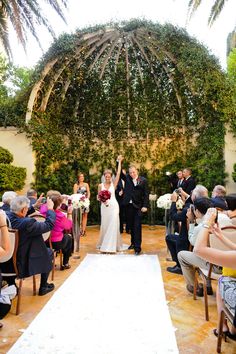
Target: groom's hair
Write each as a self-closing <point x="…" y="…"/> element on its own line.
<point x="132" y="166"/>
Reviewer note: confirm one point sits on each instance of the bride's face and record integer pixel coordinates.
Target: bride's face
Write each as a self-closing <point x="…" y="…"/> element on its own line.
<point x="108" y="177"/>
<point x="81" y="178"/>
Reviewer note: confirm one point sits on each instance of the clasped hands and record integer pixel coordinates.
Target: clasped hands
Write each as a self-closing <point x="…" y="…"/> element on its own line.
<point x="120" y="158"/>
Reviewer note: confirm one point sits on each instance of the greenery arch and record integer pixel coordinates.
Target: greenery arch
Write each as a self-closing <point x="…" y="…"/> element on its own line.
<point x="146" y="90"/>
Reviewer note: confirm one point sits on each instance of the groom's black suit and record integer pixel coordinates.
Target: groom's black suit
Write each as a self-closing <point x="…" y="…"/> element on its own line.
<point x="135" y="198"/>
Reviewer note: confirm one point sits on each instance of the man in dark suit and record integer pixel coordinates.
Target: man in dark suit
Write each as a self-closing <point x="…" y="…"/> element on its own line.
<point x="189" y="182"/>
<point x="135" y="200"/>
<point x="33" y="257"/>
<point x="180" y="176"/>
<point x="119" y="192"/>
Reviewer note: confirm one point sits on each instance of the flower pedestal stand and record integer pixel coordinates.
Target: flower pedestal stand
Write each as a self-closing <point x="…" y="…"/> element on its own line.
<point x="169" y="230"/>
<point x="152" y="213"/>
<point x="76" y="218"/>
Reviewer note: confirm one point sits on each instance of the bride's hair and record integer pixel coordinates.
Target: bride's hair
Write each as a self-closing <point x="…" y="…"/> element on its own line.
<point x="107" y="171"/>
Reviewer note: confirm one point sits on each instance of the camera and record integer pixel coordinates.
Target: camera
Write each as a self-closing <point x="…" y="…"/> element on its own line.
<point x="44" y="200"/>
<point x="216" y="218"/>
<point x="177" y="191"/>
<point x="192" y="208"/>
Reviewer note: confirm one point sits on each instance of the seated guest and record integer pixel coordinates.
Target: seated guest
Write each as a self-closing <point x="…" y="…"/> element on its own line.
<point x="60" y="239"/>
<point x="227" y="284"/>
<point x="5" y="240"/>
<point x="6" y="199"/>
<point x="177" y="243"/>
<point x="188" y="260"/>
<point x="195" y="216"/>
<point x="33" y="257"/>
<point x="218" y="197"/>
<point x="231" y="202"/>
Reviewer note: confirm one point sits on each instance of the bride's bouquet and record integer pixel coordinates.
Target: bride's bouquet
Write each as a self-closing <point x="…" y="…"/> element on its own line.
<point x="164" y="201"/>
<point x="104" y="196"/>
<point x="79" y="201"/>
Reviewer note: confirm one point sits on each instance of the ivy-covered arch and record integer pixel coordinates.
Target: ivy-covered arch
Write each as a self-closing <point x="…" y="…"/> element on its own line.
<point x="147" y="90"/>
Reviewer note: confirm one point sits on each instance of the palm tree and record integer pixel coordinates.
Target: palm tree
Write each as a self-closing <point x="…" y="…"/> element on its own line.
<point x="25" y="16"/>
<point x="215" y="10"/>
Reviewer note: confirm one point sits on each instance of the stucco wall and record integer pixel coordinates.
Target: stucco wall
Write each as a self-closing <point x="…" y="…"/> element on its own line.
<point x="230" y="160"/>
<point x="21" y="150"/>
<point x="23" y="155"/>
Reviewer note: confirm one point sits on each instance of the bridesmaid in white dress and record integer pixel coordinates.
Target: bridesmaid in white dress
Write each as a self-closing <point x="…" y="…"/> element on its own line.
<point x="110" y="238"/>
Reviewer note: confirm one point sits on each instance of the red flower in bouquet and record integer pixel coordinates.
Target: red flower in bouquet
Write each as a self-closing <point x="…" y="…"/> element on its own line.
<point x="103" y="196"/>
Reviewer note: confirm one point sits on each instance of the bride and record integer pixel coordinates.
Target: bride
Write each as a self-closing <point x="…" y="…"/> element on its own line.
<point x="110" y="238"/>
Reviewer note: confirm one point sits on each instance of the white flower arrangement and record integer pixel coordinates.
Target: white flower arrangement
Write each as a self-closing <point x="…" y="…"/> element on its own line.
<point x="79" y="201"/>
<point x="152" y="197"/>
<point x="164" y="201"/>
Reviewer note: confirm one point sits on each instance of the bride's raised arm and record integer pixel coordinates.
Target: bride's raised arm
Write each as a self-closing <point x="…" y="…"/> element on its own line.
<point x="119" y="159"/>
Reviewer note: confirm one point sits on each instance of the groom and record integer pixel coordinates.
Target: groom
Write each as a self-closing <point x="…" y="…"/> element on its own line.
<point x="135" y="201"/>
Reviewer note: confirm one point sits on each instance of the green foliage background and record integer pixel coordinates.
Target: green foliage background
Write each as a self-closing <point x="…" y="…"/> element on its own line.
<point x="12" y="178"/>
<point x="172" y="117"/>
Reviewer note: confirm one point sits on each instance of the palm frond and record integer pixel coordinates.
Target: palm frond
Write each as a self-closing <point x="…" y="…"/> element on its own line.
<point x="56" y="6"/>
<point x="26" y="15"/>
<point x="192" y="7"/>
<point x="215" y="11"/>
<point x="4" y="40"/>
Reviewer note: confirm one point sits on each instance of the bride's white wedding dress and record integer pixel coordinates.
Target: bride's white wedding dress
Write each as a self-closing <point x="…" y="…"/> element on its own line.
<point x="110" y="238"/>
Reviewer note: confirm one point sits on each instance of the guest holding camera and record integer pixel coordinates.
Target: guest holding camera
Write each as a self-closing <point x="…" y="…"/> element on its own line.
<point x="33" y="257"/>
<point x="59" y="234"/>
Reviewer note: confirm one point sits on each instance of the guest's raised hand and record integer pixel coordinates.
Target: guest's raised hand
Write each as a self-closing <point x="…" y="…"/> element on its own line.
<point x="39" y="201"/>
<point x="70" y="209"/>
<point x="190" y="215"/>
<point x="210" y="217"/>
<point x="50" y="204"/>
<point x="174" y="197"/>
<point x="2" y="218"/>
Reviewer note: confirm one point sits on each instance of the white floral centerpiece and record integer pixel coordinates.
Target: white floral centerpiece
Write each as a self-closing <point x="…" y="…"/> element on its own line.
<point x="79" y="201"/>
<point x="164" y="201"/>
<point x="152" y="197"/>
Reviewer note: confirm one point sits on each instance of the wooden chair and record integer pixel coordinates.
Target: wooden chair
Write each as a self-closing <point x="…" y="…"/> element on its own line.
<point x="233" y="220"/>
<point x="225" y="313"/>
<point x="54" y="256"/>
<point x="47" y="238"/>
<point x="230" y="233"/>
<point x="14" y="239"/>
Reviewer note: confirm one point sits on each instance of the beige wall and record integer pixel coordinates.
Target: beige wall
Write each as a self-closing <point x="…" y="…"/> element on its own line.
<point x="21" y="150"/>
<point x="230" y="160"/>
<point x="23" y="155"/>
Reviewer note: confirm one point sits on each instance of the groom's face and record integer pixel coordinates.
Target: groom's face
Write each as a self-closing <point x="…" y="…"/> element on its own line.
<point x="133" y="173"/>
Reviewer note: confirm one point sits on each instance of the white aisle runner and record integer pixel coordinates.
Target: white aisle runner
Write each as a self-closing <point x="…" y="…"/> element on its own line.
<point x="111" y="304"/>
